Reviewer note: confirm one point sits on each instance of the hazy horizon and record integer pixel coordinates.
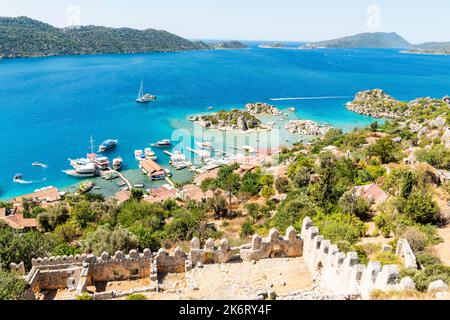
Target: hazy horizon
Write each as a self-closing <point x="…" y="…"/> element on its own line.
<point x="251" y="20"/>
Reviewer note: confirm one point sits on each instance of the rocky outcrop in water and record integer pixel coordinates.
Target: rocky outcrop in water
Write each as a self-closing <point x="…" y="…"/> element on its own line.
<point x="307" y="127"/>
<point x="260" y="108"/>
<point x="375" y="103"/>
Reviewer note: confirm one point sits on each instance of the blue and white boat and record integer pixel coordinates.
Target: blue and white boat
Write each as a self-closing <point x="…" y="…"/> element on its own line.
<point x="107" y="145"/>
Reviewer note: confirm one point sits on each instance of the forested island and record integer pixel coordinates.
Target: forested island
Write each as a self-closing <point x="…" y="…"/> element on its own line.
<point x="25" y="37"/>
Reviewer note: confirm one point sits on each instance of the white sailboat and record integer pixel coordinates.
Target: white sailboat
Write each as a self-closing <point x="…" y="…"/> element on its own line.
<point x="144" y="98"/>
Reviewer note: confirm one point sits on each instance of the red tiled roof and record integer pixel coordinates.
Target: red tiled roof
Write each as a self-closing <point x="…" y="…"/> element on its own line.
<point x="17" y="221"/>
<point x="48" y="195"/>
<point x="373" y="192"/>
<point x="123" y="196"/>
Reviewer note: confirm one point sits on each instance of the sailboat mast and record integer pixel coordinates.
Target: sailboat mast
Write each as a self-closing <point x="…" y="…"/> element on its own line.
<point x="92" y="144"/>
<point x="141" y="90"/>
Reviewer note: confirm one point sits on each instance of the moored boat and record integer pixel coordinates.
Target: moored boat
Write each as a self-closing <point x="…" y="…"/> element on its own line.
<point x="163" y="143"/>
<point x="139" y="155"/>
<point x="150" y="154"/>
<point x="117" y="163"/>
<point x="88" y="170"/>
<point x="86" y="187"/>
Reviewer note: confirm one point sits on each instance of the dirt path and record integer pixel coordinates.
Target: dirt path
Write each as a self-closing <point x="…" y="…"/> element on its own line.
<point x="442" y="250"/>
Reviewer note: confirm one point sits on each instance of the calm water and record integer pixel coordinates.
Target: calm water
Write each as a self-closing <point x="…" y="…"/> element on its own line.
<point x="49" y="107"/>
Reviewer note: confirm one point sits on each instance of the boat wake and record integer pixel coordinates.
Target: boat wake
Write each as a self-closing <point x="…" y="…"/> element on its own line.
<point x="311" y="98"/>
<point x="20" y="181"/>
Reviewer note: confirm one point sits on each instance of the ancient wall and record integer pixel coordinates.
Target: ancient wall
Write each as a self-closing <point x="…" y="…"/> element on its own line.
<point x="209" y="254"/>
<point x="274" y="246"/>
<point x="341" y="273"/>
<point x="405" y="252"/>
<point x="77" y="272"/>
<point x="121" y="266"/>
<point x="166" y="262"/>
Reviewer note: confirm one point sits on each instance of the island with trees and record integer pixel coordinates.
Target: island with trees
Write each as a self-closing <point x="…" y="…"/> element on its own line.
<point x="25" y="37"/>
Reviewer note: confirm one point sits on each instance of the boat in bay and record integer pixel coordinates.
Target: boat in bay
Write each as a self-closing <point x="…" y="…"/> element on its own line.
<point x="139" y="155"/>
<point x="107" y="145"/>
<point x="117" y="163"/>
<point x="144" y="97"/>
<point x="150" y="154"/>
<point x="85" y="171"/>
<point x="162" y="143"/>
<point x="39" y="164"/>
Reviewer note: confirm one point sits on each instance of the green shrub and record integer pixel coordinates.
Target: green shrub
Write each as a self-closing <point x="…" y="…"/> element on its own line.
<point x="421" y="208"/>
<point x="427" y="259"/>
<point x="386" y="258"/>
<point x="338" y="227"/>
<point x="12" y="287"/>
<point x="84" y="296"/>
<point x="247" y="229"/>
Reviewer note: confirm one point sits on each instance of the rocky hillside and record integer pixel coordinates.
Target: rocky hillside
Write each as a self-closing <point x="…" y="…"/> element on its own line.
<point x="25" y="37"/>
<point x="376" y="103"/>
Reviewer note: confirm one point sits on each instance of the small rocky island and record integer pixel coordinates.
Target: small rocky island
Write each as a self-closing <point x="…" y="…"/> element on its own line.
<point x="233" y="120"/>
<point x="275" y="45"/>
<point x="307" y="128"/>
<point x="230" y="45"/>
<point x="260" y="108"/>
<point x="377" y="104"/>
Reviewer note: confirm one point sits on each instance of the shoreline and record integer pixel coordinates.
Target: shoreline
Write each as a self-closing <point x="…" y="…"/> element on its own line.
<point x="425" y="53"/>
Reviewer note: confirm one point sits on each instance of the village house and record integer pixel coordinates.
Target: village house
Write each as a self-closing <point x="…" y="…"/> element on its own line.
<point x="161" y="194"/>
<point x="16" y="220"/>
<point x="123" y="196"/>
<point x="372" y="192"/>
<point x="206" y="175"/>
<point x="43" y="197"/>
<point x="191" y="192"/>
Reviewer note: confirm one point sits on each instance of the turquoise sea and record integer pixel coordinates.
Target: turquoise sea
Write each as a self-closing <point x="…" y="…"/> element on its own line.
<point x="50" y="106"/>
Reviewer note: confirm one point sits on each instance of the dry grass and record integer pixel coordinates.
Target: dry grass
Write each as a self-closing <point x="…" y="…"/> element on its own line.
<point x="401" y="295"/>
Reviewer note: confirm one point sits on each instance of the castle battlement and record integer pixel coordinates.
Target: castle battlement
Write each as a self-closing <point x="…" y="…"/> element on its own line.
<point x="341" y="273"/>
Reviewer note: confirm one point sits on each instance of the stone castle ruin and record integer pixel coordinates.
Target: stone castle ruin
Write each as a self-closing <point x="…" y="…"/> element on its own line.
<point x="335" y="272"/>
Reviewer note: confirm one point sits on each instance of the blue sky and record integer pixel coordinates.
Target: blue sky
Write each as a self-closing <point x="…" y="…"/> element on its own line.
<point x="296" y="20"/>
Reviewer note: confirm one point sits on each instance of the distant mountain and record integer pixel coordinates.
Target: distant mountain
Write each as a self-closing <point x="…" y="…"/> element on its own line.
<point x="25" y="37"/>
<point x="230" y="45"/>
<point x="364" y="40"/>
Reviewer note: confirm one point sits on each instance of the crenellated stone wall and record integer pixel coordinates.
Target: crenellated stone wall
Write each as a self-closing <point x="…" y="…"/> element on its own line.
<point x="405" y="252"/>
<point x="337" y="273"/>
<point x="341" y="273"/>
<point x="209" y="254"/>
<point x="274" y="246"/>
